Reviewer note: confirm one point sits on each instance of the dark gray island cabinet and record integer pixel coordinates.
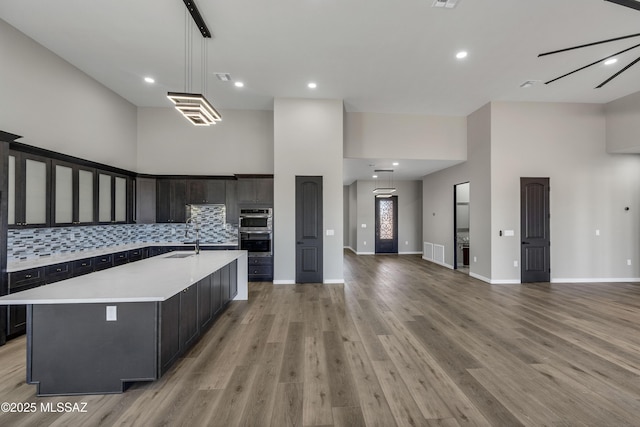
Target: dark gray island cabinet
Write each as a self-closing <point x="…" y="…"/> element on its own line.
<point x="97" y="333"/>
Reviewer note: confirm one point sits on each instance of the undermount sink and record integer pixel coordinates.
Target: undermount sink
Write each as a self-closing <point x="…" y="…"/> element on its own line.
<point x="180" y="255"/>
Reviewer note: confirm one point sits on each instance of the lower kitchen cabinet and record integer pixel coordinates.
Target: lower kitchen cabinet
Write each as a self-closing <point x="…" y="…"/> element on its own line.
<point x="138" y="254"/>
<point x="102" y="262"/>
<point x="205" y="314"/>
<point x="169" y="332"/>
<point x="17" y="314"/>
<point x="260" y="269"/>
<point x="187" y="315"/>
<point x="82" y="266"/>
<point x="120" y="258"/>
<point x="55" y="273"/>
<point x="233" y="279"/>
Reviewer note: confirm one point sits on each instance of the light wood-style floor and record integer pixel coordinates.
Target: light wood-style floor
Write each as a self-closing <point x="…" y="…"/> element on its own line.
<point x="403" y="342"/>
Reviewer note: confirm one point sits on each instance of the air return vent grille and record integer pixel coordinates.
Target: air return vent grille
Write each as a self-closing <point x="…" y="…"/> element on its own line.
<point x="449" y="4"/>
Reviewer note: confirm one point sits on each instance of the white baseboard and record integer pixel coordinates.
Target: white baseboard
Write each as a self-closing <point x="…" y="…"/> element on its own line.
<point x="284" y="282"/>
<point x="334" y="282"/>
<point x="479" y="277"/>
<point x="365" y="253"/>
<point x="351" y="249"/>
<point x="410" y="253"/>
<point x="595" y="280"/>
<point x="439" y="263"/>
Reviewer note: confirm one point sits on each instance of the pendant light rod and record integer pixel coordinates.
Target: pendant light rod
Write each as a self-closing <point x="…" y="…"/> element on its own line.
<point x="195" y="14"/>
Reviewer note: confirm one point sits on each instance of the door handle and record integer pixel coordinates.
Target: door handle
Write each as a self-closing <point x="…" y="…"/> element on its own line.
<point x="525" y="243"/>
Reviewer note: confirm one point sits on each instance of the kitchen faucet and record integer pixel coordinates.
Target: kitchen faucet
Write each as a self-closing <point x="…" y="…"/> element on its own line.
<point x="186" y="232"/>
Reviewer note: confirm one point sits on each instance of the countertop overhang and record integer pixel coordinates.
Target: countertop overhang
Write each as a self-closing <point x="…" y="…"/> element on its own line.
<point x="152" y="279"/>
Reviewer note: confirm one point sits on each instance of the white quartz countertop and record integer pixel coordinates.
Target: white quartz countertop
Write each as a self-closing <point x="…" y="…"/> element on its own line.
<point x="152" y="279"/>
<point x="59" y="258"/>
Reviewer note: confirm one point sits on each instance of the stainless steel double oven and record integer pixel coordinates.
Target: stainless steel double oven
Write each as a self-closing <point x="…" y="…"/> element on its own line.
<point x="256" y="231"/>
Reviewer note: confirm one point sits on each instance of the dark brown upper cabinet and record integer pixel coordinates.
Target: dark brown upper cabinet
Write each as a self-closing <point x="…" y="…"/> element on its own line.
<point x="171" y="200"/>
<point x="206" y="191"/>
<point x="255" y="191"/>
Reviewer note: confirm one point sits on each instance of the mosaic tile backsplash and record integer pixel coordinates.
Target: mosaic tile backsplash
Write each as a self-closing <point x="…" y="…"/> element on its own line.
<point x="32" y="243"/>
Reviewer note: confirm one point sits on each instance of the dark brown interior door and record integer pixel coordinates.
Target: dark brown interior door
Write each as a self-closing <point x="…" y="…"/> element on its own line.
<point x="309" y="229"/>
<point x="387" y="225"/>
<point x="534" y="225"/>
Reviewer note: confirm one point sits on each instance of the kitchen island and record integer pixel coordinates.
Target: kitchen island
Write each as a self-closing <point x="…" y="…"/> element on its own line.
<point x="95" y="334"/>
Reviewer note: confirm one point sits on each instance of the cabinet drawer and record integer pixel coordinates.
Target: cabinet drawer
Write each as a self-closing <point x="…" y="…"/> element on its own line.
<point x="136" y="255"/>
<point x="102" y="262"/>
<point x="260" y="270"/>
<point x="120" y="258"/>
<point x="26" y="277"/>
<point x="57" y="272"/>
<point x="83" y="266"/>
<point x="260" y="260"/>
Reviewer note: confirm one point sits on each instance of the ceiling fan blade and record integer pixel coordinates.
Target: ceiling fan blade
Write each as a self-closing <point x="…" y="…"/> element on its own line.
<point x="633" y="4"/>
<point x="617" y="74"/>
<point x="592" y="64"/>
<point x="589" y="44"/>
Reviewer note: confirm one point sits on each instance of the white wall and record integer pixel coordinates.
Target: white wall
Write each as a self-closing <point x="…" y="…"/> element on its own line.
<point x="405" y="136"/>
<point x="589" y="190"/>
<point x="409" y="216"/>
<point x="623" y="124"/>
<point x="438" y="198"/>
<point x="353" y="216"/>
<point x="308" y="140"/>
<point x="241" y="143"/>
<point x="55" y="106"/>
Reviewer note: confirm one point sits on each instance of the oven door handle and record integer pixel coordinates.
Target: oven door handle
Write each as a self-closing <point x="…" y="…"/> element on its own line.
<point x="256" y="232"/>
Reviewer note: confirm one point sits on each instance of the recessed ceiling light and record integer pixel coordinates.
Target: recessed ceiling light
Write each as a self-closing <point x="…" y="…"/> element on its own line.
<point x="610" y="61"/>
<point x="312" y="85"/>
<point x="395" y="163"/>
<point x="374" y="176"/>
<point x="238" y="84"/>
<point x="462" y="54"/>
<point x="149" y="80"/>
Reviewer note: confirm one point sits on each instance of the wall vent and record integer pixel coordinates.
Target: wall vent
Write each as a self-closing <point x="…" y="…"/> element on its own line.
<point x="427" y="251"/>
<point x="449" y="4"/>
<point x="438" y="253"/>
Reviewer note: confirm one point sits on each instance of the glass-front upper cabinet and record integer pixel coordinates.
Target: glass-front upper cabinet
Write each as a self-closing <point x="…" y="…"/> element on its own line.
<point x="28" y="195"/>
<point x="104" y="197"/>
<point x="120" y="199"/>
<point x="73" y="190"/>
<point x="113" y="197"/>
<point x="86" y="190"/>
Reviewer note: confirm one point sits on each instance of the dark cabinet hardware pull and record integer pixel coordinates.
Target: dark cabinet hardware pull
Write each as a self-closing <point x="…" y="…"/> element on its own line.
<point x="58" y="269"/>
<point x="28" y="276"/>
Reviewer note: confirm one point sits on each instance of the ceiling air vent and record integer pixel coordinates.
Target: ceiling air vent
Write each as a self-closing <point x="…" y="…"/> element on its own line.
<point x="225" y="77"/>
<point x="449" y="4"/>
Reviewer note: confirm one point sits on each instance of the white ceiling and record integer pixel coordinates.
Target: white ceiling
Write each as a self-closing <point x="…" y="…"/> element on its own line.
<point x="377" y="55"/>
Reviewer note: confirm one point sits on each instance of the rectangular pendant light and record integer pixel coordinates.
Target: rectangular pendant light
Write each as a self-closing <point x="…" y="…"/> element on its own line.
<point x="384" y="190"/>
<point x="195" y="108"/>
